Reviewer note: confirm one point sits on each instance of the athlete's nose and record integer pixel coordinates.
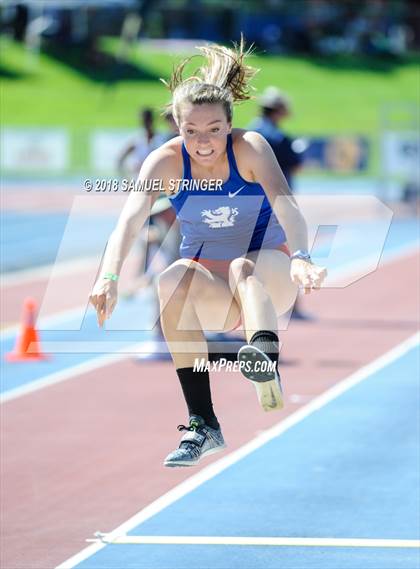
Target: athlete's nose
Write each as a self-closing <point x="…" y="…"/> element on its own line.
<point x="203" y="139"/>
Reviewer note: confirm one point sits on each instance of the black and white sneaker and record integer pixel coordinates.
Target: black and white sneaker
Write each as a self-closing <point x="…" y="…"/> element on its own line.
<point x="199" y="440"/>
<point x="256" y="366"/>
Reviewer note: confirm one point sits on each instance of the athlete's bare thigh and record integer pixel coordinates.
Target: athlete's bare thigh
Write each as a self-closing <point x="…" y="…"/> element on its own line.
<point x="272" y="267"/>
<point x="214" y="304"/>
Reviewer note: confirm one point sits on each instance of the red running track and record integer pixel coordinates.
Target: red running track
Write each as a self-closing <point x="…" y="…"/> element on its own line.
<point x="87" y="454"/>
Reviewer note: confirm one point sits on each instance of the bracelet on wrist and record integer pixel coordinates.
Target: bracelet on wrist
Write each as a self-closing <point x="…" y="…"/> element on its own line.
<point x="302" y="255"/>
<point x="110" y="277"/>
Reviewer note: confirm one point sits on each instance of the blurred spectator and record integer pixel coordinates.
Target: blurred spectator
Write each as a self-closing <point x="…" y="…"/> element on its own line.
<point x="148" y="139"/>
<point x="315" y="27"/>
<point x="171" y="126"/>
<point x="141" y="147"/>
<point x="20" y="22"/>
<point x="157" y="248"/>
<point x="158" y="245"/>
<point x="275" y="108"/>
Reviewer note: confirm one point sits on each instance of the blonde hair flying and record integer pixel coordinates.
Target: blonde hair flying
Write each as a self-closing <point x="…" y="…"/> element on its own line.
<point x="224" y="79"/>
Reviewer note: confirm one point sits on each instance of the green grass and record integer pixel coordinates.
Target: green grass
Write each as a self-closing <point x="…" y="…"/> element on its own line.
<point x="342" y="96"/>
<point x="326" y="98"/>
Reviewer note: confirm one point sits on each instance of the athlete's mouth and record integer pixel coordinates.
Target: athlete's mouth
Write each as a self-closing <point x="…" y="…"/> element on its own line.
<point x="205" y="152"/>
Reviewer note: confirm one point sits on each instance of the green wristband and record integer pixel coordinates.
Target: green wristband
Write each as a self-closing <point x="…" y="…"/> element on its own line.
<point x="111" y="276"/>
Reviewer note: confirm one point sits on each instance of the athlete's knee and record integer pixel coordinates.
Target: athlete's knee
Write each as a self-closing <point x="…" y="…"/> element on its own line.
<point x="174" y="282"/>
<point x="241" y="268"/>
<point x="254" y="281"/>
<point x="255" y="285"/>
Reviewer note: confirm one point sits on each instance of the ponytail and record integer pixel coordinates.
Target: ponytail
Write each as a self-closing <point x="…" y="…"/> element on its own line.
<point x="224" y="78"/>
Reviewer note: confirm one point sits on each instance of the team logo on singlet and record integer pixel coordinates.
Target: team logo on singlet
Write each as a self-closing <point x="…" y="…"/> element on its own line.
<point x="221" y="217"/>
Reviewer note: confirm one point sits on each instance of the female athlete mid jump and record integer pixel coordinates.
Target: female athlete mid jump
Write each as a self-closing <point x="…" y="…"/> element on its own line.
<point x="244" y="250"/>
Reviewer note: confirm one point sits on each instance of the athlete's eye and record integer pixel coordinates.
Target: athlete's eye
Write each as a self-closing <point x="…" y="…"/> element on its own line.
<point x="190" y="132"/>
<point x="215" y="129"/>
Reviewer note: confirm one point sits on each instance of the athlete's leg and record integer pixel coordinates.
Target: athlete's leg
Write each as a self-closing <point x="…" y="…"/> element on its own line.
<point x="263" y="288"/>
<point x="264" y="291"/>
<point x="192" y="299"/>
<point x="272" y="268"/>
<point x="257" y="309"/>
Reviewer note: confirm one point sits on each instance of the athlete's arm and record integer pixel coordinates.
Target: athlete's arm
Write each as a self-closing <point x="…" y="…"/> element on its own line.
<point x="157" y="166"/>
<point x="267" y="172"/>
<point x="264" y="168"/>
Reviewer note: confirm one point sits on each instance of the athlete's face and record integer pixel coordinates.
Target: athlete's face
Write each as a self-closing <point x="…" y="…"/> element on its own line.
<point x="204" y="129"/>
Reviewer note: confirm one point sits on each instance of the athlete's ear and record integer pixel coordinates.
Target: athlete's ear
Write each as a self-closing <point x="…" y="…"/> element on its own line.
<point x="229" y="127"/>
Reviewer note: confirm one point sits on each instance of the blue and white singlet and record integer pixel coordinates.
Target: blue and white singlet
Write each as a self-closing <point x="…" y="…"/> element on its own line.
<point x="225" y="223"/>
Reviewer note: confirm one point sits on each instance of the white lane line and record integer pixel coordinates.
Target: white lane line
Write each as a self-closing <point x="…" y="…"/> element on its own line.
<point x="219" y="466"/>
<point x="265" y="541"/>
<point x="65" y="374"/>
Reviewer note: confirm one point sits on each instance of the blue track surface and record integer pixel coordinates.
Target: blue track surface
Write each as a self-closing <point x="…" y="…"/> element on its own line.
<point x="350" y="470"/>
<point x="32" y="240"/>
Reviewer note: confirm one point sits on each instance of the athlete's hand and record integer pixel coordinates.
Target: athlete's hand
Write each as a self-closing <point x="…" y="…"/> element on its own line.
<point x="307" y="275"/>
<point x="104" y="297"/>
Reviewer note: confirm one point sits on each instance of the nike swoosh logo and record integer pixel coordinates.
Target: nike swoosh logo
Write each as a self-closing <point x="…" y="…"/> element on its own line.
<point x="233" y="194"/>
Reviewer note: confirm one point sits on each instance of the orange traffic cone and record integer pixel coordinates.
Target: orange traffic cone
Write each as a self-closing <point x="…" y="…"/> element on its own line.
<point x="27" y="344"/>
